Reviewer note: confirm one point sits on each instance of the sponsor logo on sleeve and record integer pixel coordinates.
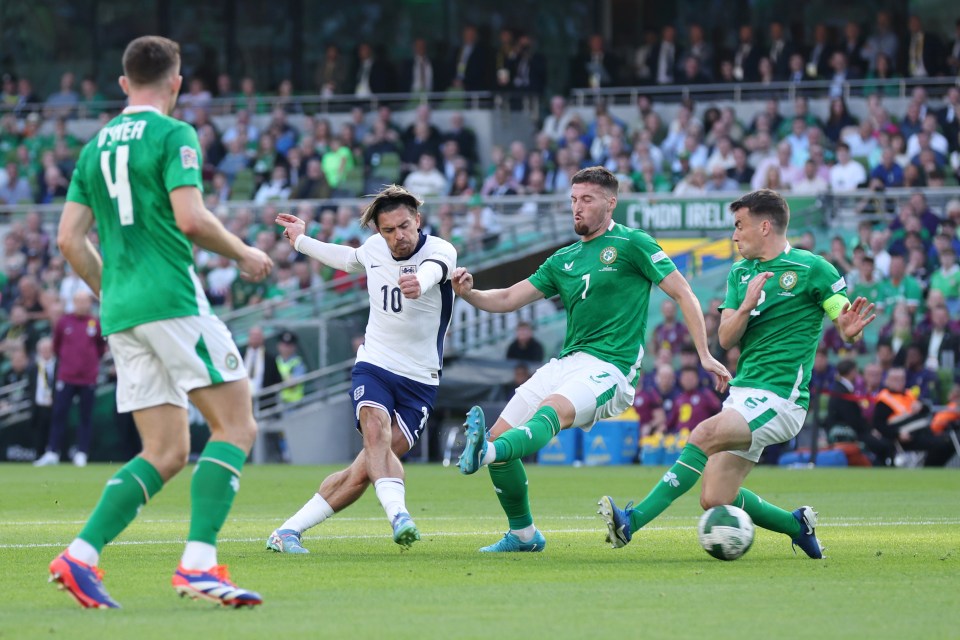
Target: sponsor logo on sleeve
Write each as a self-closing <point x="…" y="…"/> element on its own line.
<point x="839" y="284"/>
<point x="658" y="256"/>
<point x="188" y="158"/>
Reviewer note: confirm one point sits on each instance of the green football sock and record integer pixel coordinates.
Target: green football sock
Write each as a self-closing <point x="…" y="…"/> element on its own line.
<point x="685" y="473"/>
<point x="510" y="482"/>
<point x="128" y="490"/>
<point x="216" y="481"/>
<point x="767" y="515"/>
<point x="528" y="438"/>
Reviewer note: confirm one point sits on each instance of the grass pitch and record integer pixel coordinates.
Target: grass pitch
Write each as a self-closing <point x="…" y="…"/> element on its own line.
<point x="892" y="571"/>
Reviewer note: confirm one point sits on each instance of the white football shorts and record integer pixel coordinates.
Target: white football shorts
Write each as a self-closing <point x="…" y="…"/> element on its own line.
<point x="772" y="419"/>
<point x="160" y="362"/>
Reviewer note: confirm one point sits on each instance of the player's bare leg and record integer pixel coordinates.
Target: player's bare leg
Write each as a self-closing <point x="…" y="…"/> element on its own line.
<point x="337" y="492"/>
<point x="216" y="480"/>
<point x="165" y="434"/>
<point x="385" y="471"/>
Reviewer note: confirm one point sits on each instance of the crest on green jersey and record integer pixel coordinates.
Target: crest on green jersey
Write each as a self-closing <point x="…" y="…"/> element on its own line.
<point x="788" y="280"/>
<point x="608" y="255"/>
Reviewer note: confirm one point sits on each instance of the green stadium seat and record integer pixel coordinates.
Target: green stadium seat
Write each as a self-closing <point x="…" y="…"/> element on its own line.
<point x="243" y="185"/>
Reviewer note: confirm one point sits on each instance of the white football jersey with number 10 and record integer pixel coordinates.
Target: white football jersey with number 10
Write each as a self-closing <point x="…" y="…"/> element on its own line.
<point x="405" y="336"/>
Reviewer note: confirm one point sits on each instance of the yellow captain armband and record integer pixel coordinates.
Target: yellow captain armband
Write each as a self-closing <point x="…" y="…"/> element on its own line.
<point x="834" y="305"/>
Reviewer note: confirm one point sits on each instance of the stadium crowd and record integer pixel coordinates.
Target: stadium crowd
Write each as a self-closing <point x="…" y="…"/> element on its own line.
<point x="903" y="256"/>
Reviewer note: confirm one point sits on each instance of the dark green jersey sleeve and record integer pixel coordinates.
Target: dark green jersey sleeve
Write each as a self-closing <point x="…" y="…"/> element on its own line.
<point x="77" y="191"/>
<point x="731" y="300"/>
<point x="182" y="159"/>
<point x="652" y="261"/>
<point x="544" y="279"/>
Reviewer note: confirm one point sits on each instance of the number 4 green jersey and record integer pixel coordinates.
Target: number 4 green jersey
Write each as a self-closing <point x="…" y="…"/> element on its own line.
<point x="604" y="285"/>
<point x="780" y="342"/>
<point x="125" y="175"/>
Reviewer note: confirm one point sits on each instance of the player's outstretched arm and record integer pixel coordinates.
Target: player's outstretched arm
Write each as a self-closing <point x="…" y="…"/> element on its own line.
<point x="202" y="227"/>
<point x="854" y="318"/>
<point x="677" y="287"/>
<point x="337" y="256"/>
<point x="733" y="322"/>
<point x="75" y="223"/>
<point x="494" y="300"/>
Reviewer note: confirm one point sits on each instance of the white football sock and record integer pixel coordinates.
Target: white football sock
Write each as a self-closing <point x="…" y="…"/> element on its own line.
<point x="198" y="556"/>
<point x="489" y="456"/>
<point x="525" y="534"/>
<point x="315" y="511"/>
<point x="83" y="551"/>
<point x="390" y="493"/>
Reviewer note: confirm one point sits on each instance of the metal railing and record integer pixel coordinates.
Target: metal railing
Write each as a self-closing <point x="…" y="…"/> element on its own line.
<point x="307" y="104"/>
<point x="849" y="208"/>
<point x="15" y="405"/>
<point x="744" y="91"/>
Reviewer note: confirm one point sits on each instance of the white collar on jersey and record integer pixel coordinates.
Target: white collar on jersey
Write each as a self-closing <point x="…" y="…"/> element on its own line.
<point x="610" y="226"/>
<point x="139" y="108"/>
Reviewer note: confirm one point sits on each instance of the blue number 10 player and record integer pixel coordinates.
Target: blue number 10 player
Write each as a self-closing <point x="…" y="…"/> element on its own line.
<point x="398" y="366"/>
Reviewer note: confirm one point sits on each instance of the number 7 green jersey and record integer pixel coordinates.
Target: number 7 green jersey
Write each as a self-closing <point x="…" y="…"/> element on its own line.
<point x="125" y="175"/>
<point x="604" y="285"/>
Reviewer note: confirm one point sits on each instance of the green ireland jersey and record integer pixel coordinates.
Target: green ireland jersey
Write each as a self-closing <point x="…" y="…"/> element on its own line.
<point x="604" y="285"/>
<point x="780" y="342"/>
<point x="125" y="175"/>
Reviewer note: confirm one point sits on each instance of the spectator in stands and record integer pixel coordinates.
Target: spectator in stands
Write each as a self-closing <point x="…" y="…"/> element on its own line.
<point x="480" y="228"/>
<point x="332" y="72"/>
<point x="946" y="279"/>
<point x="924" y="55"/>
<point x="471" y="62"/>
<point x="426" y="180"/>
<point x="888" y="172"/>
<point x="219" y="279"/>
<point x="26" y="102"/>
<point x="694" y="404"/>
<point x="418" y="73"/>
<point x="880" y="74"/>
<point x="746" y="56"/>
<point x="63" y="103"/>
<point x="666" y="57"/>
<point x="17" y="188"/>
<point x="823" y="372"/>
<point x="313" y="185"/>
<point x="940" y="345"/>
<point x="41" y="374"/>
<point x="501" y="183"/>
<point x="525" y="346"/>
<point x="921" y="381"/>
<point x="720" y="181"/>
<point x="847" y="174"/>
<point x="900" y="417"/>
<point x="670" y="334"/>
<point x="16" y="373"/>
<point x="260" y="363"/>
<point x="558" y="118"/>
<point x="883" y="41"/>
<point x="741" y="172"/>
<point x="277" y="188"/>
<point x="811" y="182"/>
<point x="949" y="117"/>
<point x="79" y="347"/>
<point x="291" y="366"/>
<point x="597" y="67"/>
<point x="899" y="287"/>
<point x="91" y="100"/>
<point x="844" y="409"/>
<point x="953" y="51"/>
<point x="372" y="75"/>
<point x="788" y="173"/>
<point x="337" y="162"/>
<point x="655" y="402"/>
<point x="464" y="136"/>
<point x="197" y="97"/>
<point x="529" y="69"/>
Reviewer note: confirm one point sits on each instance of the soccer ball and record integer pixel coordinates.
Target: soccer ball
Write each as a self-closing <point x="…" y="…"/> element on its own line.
<point x="725" y="532"/>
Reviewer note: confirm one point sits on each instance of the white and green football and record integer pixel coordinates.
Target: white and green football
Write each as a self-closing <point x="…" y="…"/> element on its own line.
<point x="726" y="532"/>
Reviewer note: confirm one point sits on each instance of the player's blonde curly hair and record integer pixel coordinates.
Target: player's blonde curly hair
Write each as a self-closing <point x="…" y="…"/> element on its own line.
<point x="389" y="198"/>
